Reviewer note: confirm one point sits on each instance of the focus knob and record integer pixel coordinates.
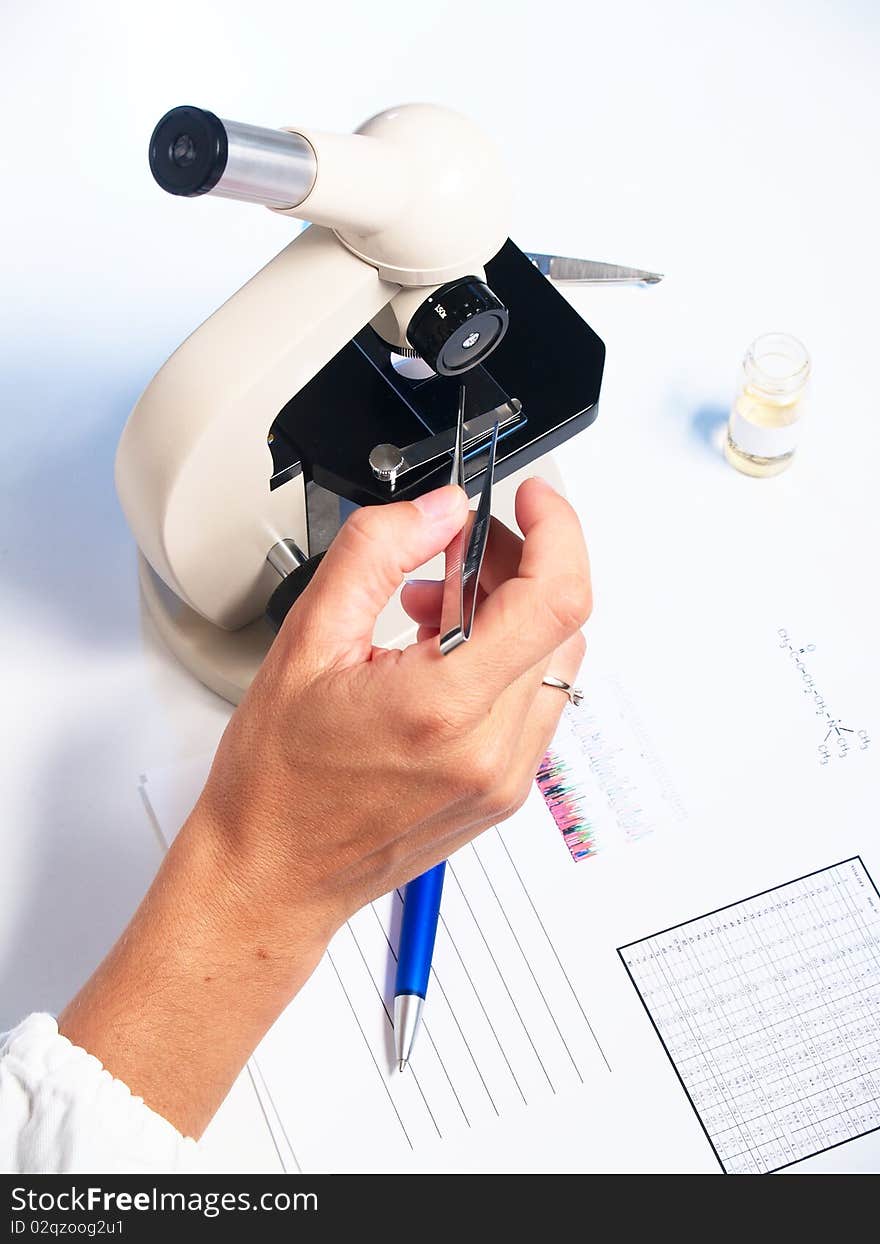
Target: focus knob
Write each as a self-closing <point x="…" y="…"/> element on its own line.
<point x="458" y="326"/>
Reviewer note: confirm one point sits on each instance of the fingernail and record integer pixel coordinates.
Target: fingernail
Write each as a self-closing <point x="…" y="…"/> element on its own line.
<point x="418" y="582"/>
<point x="440" y="504"/>
<point x="543" y="483"/>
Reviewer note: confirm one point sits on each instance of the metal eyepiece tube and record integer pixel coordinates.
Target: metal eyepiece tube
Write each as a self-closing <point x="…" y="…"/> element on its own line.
<point x="272" y="167"/>
<point x="193" y="152"/>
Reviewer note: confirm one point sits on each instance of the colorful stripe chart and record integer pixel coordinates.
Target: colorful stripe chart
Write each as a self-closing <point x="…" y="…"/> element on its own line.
<point x="602" y="779"/>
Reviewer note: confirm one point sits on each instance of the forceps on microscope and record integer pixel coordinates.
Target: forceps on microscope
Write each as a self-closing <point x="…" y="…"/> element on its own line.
<point x="464" y="554"/>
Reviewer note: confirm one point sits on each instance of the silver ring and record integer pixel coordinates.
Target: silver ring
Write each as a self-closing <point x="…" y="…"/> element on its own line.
<point x="575" y="694"/>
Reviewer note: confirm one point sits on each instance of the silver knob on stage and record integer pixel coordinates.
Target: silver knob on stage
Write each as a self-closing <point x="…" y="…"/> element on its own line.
<point x="386" y="461"/>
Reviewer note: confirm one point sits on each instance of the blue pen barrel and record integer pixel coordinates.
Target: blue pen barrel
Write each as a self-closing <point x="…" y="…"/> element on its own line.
<point x="421" y="907"/>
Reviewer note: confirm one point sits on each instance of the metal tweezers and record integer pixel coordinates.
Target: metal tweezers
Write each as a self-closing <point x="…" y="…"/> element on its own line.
<point x="464" y="554"/>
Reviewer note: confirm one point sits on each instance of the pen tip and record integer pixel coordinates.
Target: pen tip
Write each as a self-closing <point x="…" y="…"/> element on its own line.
<point x="401" y="1066"/>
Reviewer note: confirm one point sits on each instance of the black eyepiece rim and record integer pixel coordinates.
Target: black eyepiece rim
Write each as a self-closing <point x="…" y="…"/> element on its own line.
<point x="211" y="146"/>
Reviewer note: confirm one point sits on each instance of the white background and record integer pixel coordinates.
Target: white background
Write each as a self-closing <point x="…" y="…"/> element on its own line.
<point x="731" y="146"/>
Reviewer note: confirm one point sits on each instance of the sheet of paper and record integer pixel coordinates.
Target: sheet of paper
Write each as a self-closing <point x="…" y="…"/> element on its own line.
<point x="603" y="780"/>
<point x="769" y="1011"/>
<point x="537" y="1052"/>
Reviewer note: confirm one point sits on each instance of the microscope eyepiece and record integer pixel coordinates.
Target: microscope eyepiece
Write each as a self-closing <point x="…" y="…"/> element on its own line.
<point x="189" y="151"/>
<point x="193" y="152"/>
<point x="458" y="326"/>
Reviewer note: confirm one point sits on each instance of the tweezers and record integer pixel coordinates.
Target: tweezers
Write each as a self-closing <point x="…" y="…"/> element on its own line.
<point x="464" y="554"/>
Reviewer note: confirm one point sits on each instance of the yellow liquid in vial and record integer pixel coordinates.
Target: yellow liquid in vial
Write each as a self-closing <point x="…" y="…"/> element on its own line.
<point x="760" y="434"/>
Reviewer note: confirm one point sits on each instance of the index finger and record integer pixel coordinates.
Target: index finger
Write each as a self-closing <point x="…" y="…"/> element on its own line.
<point x="532" y="613"/>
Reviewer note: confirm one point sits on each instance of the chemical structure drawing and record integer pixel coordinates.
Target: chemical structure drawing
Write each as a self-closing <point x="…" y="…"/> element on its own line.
<point x="839" y="740"/>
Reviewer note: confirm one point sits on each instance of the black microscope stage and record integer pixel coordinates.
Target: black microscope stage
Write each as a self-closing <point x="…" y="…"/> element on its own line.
<point x="550" y="359"/>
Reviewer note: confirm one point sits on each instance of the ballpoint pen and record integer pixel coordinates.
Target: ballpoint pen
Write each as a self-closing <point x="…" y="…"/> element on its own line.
<point x="421" y="911"/>
<point x="421" y="901"/>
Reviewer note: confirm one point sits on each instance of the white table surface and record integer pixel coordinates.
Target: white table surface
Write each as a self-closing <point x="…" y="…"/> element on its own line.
<point x="732" y="147"/>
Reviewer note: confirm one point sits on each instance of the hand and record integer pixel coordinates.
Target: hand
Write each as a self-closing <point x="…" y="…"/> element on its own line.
<point x="345" y="771"/>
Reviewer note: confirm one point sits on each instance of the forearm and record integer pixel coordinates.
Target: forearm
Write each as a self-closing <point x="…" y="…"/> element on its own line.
<point x="206" y="965"/>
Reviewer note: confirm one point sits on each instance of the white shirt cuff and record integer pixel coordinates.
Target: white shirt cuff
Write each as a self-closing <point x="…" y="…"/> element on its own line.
<point x="61" y="1111"/>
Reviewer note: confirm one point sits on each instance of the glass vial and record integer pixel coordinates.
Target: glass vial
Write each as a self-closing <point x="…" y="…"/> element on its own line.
<point x="764" y="423"/>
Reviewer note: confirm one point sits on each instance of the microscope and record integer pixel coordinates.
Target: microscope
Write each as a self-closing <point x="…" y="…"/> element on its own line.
<point x="331" y="379"/>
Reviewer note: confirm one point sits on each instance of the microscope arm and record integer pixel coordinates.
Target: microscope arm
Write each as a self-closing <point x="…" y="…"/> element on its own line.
<point x="193" y="464"/>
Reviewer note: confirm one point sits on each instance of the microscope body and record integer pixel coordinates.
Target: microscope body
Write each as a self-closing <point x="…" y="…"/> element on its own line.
<point x="272" y="407"/>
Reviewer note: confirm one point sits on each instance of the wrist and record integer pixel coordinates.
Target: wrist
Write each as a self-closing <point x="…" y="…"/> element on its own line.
<point x="245" y="897"/>
<point x="249" y="885"/>
<point x="208" y="962"/>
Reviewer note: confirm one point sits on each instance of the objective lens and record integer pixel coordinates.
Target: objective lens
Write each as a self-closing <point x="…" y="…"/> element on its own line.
<point x="458" y="326"/>
<point x="183" y="151"/>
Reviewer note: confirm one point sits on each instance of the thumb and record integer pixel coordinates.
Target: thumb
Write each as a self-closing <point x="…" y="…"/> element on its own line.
<point x="365" y="565"/>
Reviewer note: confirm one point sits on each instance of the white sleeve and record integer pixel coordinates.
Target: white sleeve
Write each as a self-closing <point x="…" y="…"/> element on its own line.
<point x="60" y="1111"/>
